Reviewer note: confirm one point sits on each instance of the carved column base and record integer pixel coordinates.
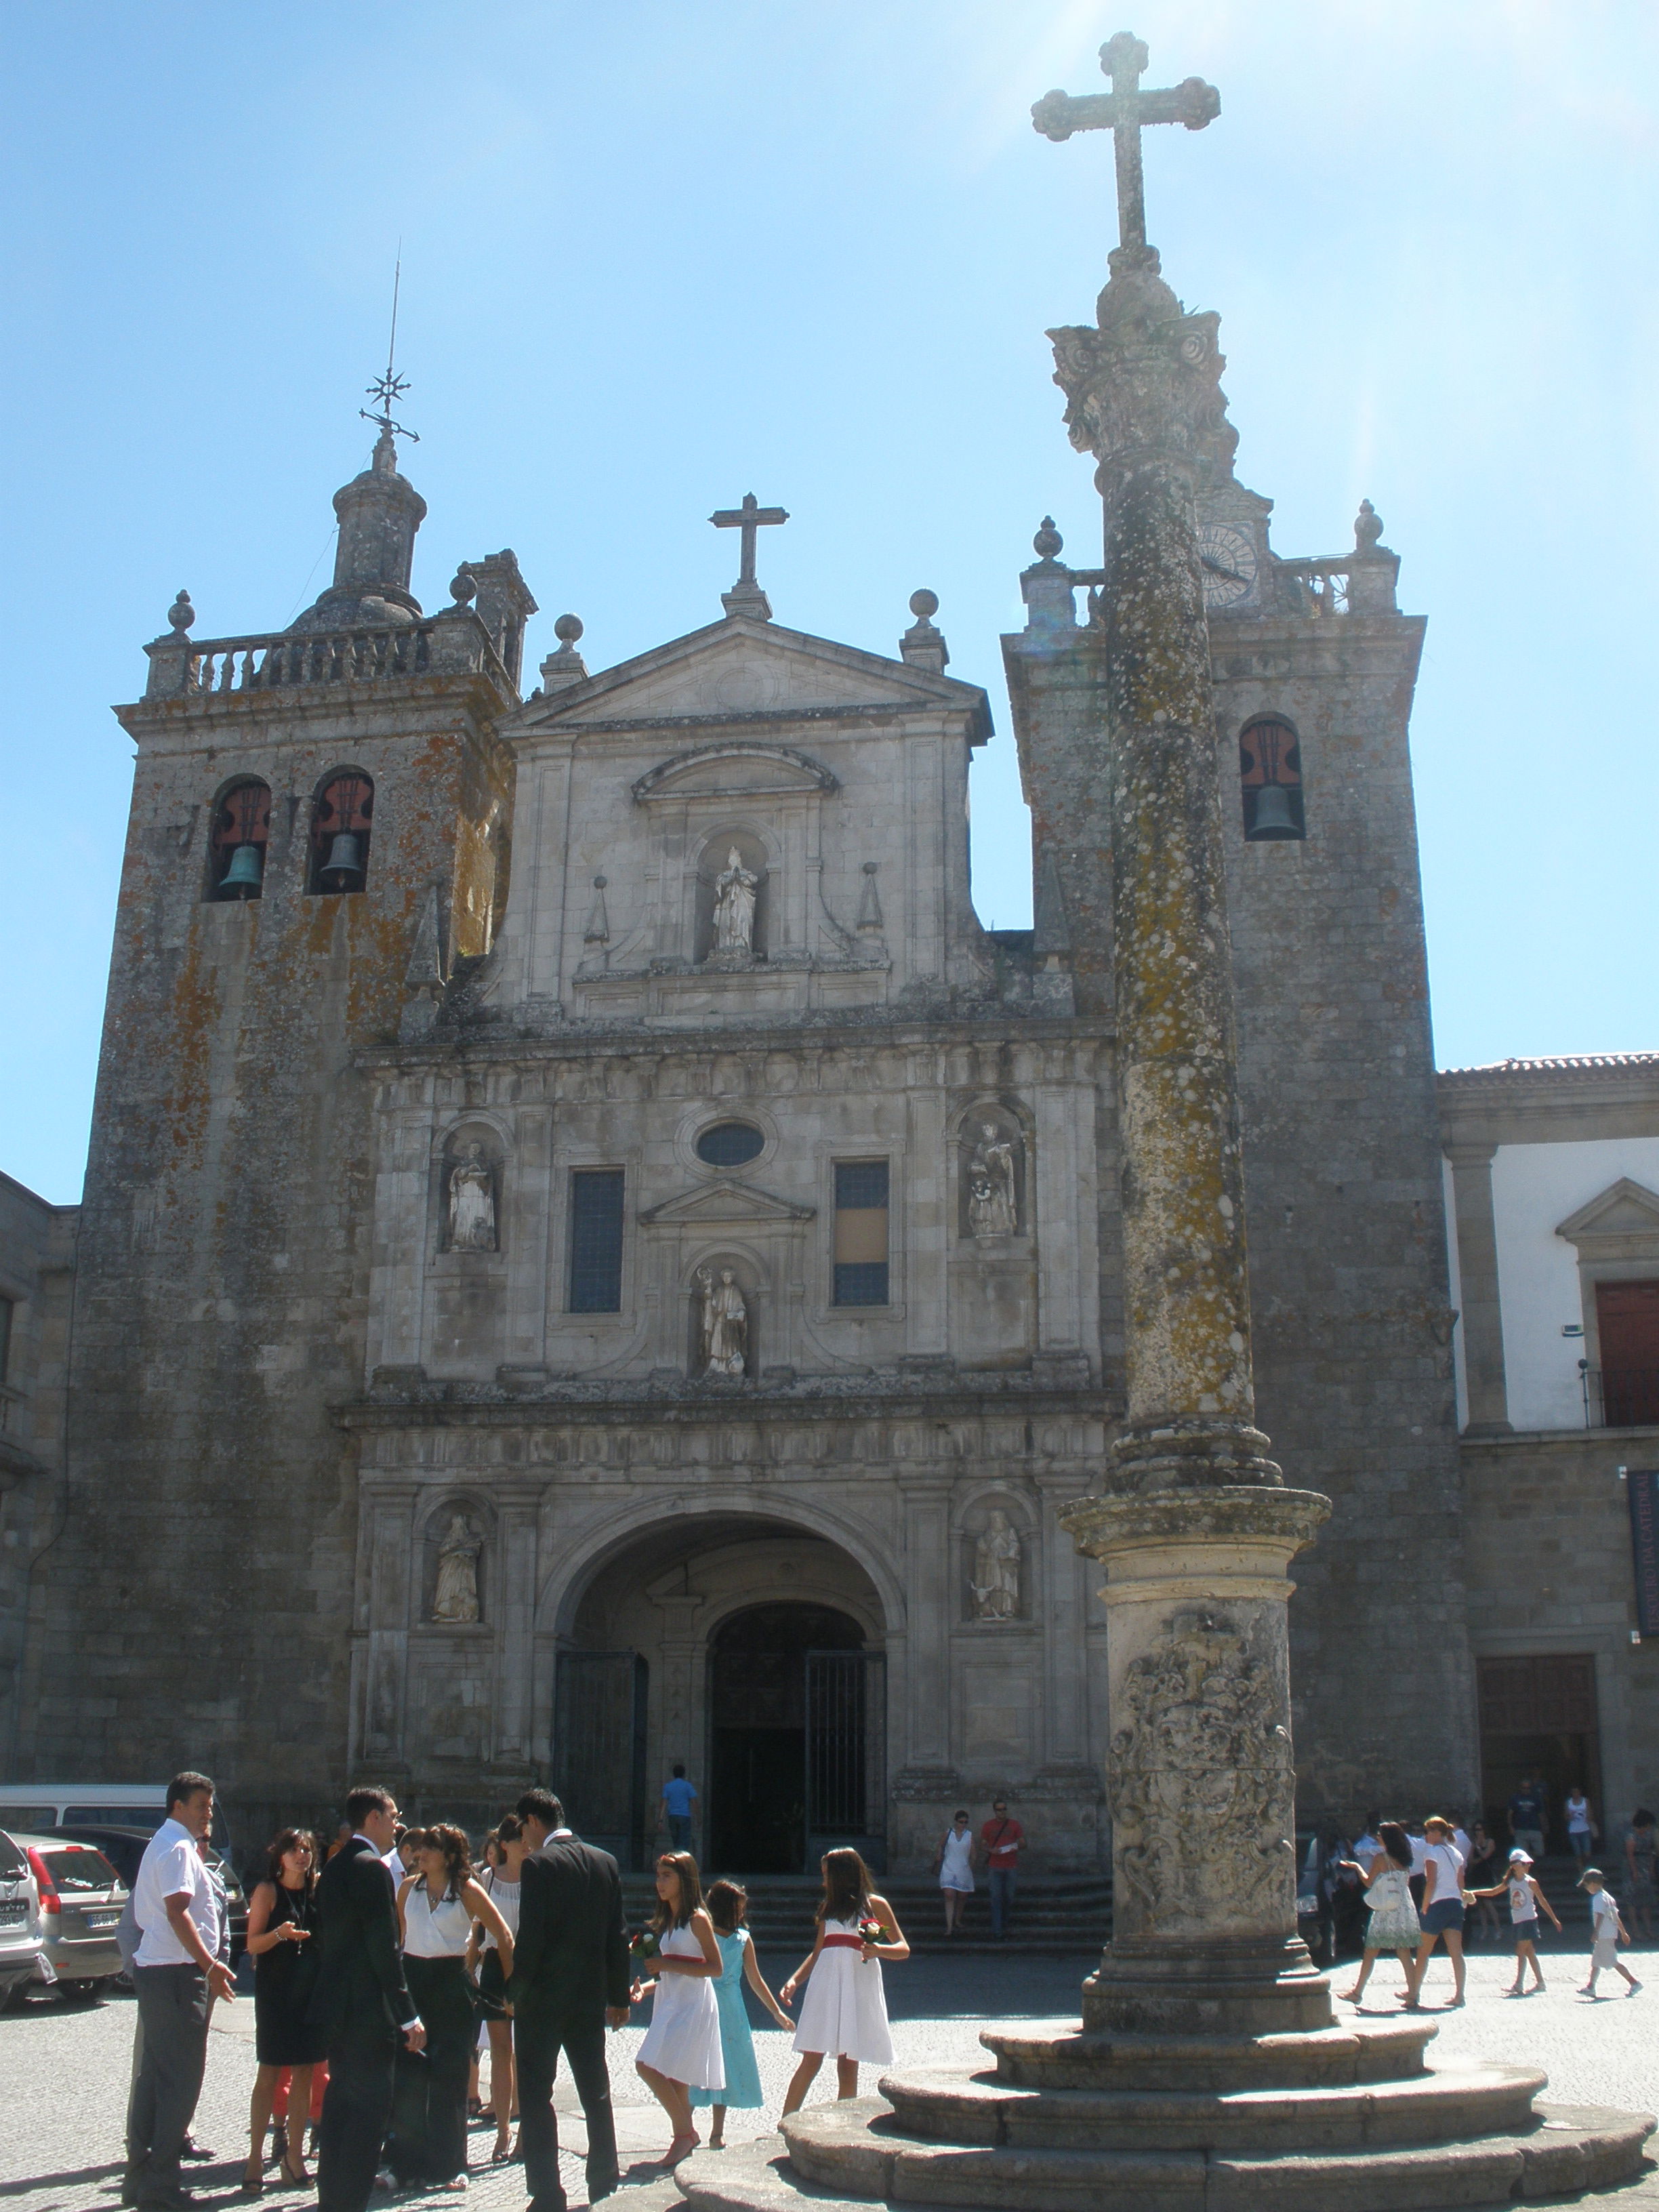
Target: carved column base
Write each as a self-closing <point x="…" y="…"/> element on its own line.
<point x="1201" y="1779"/>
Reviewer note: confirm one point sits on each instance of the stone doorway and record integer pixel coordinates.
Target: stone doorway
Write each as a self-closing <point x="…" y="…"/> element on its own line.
<point x="762" y="1652"/>
<point x="765" y="1731"/>
<point x="1538" y="1721"/>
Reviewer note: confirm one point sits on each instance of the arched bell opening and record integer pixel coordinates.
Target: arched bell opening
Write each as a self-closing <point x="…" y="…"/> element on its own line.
<point x="237" y="841"/>
<point x="342" y="820"/>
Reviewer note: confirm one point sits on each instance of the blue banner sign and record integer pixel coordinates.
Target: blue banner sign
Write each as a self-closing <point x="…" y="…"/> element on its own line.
<point x="1644" y="1486"/>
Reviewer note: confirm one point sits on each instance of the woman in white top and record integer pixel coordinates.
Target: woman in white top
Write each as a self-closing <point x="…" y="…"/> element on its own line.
<point x="1443" y="1908"/>
<point x="1393" y="1923"/>
<point x="436" y="1907"/>
<point x="501" y="1884"/>
<point x="682" y="2047"/>
<point x="953" y="1862"/>
<point x="1581" y="1826"/>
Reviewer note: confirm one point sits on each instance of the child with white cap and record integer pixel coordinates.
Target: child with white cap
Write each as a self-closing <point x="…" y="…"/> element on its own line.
<point x="1607" y="1932"/>
<point x="1525" y="1898"/>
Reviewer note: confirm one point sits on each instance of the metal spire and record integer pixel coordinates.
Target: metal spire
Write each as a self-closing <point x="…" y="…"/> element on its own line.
<point x="390" y="388"/>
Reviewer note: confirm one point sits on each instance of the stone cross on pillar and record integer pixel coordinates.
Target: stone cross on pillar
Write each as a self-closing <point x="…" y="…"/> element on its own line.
<point x="745" y="596"/>
<point x="1192" y="1521"/>
<point x="1124" y="111"/>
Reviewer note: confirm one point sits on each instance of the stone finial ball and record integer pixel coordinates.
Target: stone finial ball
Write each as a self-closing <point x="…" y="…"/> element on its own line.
<point x="1048" y="541"/>
<point x="181" y="614"/>
<point x="463" y="587"/>
<point x="567" y="629"/>
<point x="924" y="606"/>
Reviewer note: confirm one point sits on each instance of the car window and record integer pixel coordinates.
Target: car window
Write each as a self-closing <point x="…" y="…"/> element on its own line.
<point x="79" y="1868"/>
<point x="147" y="1817"/>
<point x="13" y="1865"/>
<point x="30" y="1817"/>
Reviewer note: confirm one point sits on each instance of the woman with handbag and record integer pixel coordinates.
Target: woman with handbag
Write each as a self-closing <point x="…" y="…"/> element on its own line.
<point x="500" y="1882"/>
<point x="1393" y="1924"/>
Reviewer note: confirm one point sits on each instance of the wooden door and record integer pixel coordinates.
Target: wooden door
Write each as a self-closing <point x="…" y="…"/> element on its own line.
<point x="1627" y="1322"/>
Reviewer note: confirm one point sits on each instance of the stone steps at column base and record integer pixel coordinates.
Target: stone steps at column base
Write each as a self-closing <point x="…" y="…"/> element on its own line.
<point x="1057" y="2055"/>
<point x="1572" y="2149"/>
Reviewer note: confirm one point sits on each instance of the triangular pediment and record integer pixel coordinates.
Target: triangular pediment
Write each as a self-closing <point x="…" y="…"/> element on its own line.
<point x="741" y="671"/>
<point x="1624" y="1209"/>
<point x="726" y="1200"/>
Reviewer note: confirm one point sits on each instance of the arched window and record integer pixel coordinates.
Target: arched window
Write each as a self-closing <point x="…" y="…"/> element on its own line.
<point x="340" y="833"/>
<point x="1270" y="770"/>
<point x="237" y="841"/>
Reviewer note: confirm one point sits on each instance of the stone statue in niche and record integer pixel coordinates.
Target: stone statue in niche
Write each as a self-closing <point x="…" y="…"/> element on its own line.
<point x="995" y="1585"/>
<point x="455" y="1597"/>
<point x="725" y="1324"/>
<point x="992" y="1210"/>
<point x="471" y="1202"/>
<point x="734" y="906"/>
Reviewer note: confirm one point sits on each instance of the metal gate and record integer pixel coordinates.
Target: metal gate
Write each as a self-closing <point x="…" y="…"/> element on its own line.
<point x="847" y="1754"/>
<point x="599" y="1749"/>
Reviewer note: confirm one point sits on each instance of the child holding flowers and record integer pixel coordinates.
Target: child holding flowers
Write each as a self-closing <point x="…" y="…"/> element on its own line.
<point x="845" y="2007"/>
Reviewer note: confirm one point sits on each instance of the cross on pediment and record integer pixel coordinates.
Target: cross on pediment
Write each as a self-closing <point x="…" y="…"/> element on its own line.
<point x="1125" y="111"/>
<point x="745" y="596"/>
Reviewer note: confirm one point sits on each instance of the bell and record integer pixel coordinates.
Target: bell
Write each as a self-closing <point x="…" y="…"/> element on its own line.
<point x="343" y="867"/>
<point x="1273" y="817"/>
<point x="245" y="876"/>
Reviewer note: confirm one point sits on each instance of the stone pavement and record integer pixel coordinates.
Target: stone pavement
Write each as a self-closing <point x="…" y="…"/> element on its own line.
<point x="64" y="2074"/>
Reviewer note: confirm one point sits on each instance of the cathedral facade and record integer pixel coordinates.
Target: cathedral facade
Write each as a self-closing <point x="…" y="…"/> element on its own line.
<point x="592" y="1256"/>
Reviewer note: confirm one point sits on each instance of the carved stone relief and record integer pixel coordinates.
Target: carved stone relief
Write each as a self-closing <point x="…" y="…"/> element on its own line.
<point x="472" y="1201"/>
<point x="1201" y="1778"/>
<point x="723" y="1322"/>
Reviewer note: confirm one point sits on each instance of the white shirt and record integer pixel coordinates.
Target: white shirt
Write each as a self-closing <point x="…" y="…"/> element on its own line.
<point x="1579" y="1817"/>
<point x="1461" y="1843"/>
<point x="434" y="1931"/>
<point x="172" y="1868"/>
<point x="1448" y="1863"/>
<point x="1604" y="1919"/>
<point x="1420" y="1854"/>
<point x="1366" y="1851"/>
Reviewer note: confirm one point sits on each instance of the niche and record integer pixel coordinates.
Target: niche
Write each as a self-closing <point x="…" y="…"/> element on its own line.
<point x="723" y="1335"/>
<point x="456" y="1552"/>
<point x="991" y="1175"/>
<point x="469" y="1191"/>
<point x="734" y="901"/>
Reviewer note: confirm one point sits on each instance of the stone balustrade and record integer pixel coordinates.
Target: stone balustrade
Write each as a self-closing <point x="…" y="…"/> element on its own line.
<point x="453" y="643"/>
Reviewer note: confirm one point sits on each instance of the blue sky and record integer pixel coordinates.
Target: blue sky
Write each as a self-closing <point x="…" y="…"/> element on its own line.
<point x="657" y="256"/>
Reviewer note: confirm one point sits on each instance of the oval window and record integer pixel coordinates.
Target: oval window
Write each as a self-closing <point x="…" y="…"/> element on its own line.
<point x="729" y="1144"/>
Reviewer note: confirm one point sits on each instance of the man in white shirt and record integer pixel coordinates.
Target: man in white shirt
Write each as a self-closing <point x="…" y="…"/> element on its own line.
<point x="176" y="1971"/>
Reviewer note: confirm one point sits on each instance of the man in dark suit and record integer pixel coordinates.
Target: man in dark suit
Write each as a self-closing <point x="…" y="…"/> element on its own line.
<point x="362" y="2000"/>
<point x="571" y="1976"/>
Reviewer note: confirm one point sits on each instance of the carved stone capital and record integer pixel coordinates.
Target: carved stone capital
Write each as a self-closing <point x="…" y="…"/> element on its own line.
<point x="1147" y="381"/>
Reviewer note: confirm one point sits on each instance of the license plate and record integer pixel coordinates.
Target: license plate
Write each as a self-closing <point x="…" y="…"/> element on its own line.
<point x="14" y="1912"/>
<point x="103" y="1920"/>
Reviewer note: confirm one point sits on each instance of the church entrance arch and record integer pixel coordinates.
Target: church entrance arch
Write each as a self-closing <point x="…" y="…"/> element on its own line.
<point x="753" y="1651"/>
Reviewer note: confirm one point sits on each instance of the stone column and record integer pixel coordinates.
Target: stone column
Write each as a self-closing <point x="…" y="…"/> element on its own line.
<point x="1478" y="1297"/>
<point x="1196" y="1529"/>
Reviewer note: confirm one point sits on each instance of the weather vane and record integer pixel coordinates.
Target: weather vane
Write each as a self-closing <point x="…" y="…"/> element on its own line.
<point x="390" y="387"/>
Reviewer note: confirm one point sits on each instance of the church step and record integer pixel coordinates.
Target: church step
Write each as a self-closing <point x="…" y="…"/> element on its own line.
<point x="946" y="2106"/>
<point x="1058" y="2056"/>
<point x="1055" y="1916"/>
<point x="851" y="2153"/>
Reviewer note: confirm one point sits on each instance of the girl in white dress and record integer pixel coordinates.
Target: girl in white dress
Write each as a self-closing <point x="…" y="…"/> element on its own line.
<point x="953" y="1862"/>
<point x="682" y="2047"/>
<point x="845" y="2007"/>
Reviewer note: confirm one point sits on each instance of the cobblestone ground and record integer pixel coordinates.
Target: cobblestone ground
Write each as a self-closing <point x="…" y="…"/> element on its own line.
<point x="64" y="2074"/>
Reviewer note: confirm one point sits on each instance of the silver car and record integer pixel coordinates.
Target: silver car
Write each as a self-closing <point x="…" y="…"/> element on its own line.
<point x="82" y="1898"/>
<point x="21" y="1940"/>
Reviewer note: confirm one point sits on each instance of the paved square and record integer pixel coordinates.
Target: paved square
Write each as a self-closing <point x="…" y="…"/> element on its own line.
<point x="63" y="2073"/>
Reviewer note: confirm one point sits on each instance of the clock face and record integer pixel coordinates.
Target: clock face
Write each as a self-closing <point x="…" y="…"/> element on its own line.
<point x="1227" y="560"/>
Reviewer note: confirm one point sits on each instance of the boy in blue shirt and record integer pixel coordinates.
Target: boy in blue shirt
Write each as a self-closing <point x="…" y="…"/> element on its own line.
<point x="675" y="1811"/>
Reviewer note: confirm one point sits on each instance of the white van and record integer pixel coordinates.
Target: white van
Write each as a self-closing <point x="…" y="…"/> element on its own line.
<point x="37" y="1805"/>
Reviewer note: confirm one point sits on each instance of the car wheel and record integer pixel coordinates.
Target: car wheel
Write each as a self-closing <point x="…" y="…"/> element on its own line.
<point x="78" y="1992"/>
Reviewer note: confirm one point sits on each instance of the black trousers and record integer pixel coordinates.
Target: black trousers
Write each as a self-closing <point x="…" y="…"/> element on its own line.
<point x="537" y="2039"/>
<point x="356" y="2113"/>
<point x="428" y="2103"/>
<point x="172" y="2020"/>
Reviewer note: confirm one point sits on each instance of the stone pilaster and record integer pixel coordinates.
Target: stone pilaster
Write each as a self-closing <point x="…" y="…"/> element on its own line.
<point x="1481" y="1311"/>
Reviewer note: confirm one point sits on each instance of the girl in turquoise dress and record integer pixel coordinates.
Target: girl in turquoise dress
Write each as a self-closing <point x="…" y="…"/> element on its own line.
<point x="728" y="1907"/>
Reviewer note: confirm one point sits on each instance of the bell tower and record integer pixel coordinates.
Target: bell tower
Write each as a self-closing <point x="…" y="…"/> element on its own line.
<point x="320" y="833"/>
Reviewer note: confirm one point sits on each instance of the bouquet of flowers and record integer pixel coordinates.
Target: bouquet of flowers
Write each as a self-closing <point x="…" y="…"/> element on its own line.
<point x="872" y="1931"/>
<point x="644" y="1946"/>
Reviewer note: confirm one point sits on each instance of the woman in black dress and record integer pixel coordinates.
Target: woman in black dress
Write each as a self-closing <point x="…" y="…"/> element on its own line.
<point x="281" y="1921"/>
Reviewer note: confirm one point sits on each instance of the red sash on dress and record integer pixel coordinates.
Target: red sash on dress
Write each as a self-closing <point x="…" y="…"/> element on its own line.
<point x="843" y="1942"/>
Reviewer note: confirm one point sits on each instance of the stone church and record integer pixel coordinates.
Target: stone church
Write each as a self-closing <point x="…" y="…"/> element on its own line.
<point x="592" y="1255"/>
